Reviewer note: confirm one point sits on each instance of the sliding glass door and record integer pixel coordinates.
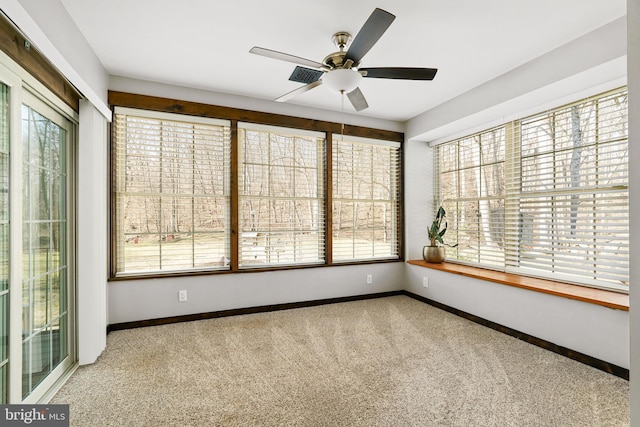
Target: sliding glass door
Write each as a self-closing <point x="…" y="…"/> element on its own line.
<point x="45" y="243"/>
<point x="37" y="333"/>
<point x="4" y="243"/>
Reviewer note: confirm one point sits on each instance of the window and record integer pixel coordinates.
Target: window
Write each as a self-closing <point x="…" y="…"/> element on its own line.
<point x="472" y="190"/>
<point x="544" y="196"/>
<point x="366" y="199"/>
<point x="171" y="192"/>
<point x="281" y="196"/>
<point x="217" y="189"/>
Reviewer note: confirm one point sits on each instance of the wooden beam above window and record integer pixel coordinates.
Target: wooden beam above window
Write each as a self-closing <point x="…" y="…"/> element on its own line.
<point x="167" y="105"/>
<point x="18" y="48"/>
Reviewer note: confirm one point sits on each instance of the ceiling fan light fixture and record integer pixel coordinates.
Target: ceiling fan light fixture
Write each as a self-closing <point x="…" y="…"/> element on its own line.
<point x="342" y="80"/>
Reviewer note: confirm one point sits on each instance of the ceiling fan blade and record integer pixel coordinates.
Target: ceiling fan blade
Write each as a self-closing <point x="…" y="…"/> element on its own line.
<point x="399" y="73"/>
<point x="369" y="34"/>
<point x="357" y="99"/>
<point x="274" y="54"/>
<point x="300" y="90"/>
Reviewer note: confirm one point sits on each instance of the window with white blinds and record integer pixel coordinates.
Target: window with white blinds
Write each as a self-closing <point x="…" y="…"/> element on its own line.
<point x="563" y="212"/>
<point x="470" y="178"/>
<point x="172" y="192"/>
<point x="195" y="194"/>
<point x="366" y="199"/>
<point x="281" y="196"/>
<point x="573" y="204"/>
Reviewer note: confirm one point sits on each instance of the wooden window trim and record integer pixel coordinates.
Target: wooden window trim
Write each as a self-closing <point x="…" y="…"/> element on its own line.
<point x="328" y="239"/>
<point x="605" y="298"/>
<point x="20" y="49"/>
<point x="154" y="103"/>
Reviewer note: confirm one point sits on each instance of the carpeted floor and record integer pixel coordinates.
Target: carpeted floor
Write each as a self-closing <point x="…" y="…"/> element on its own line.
<point x="384" y="362"/>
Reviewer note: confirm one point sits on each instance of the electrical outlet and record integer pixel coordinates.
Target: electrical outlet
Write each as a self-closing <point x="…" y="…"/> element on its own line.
<point x="425" y="281"/>
<point x="369" y="279"/>
<point x="182" y="295"/>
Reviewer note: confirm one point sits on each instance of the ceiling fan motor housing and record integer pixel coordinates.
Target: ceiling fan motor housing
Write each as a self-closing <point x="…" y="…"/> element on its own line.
<point x="335" y="59"/>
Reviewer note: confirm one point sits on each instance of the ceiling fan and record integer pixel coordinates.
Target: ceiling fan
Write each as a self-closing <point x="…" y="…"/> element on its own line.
<point x="341" y="71"/>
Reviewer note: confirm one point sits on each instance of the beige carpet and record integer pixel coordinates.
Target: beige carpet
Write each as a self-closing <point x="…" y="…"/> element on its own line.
<point x="385" y="362"/>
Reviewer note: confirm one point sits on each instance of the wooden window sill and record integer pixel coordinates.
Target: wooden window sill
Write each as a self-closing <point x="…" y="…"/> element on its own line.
<point x="615" y="300"/>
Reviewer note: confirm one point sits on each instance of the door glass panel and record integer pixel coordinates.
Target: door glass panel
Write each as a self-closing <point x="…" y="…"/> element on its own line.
<point x="4" y="242"/>
<point x="45" y="342"/>
<point x="58" y="339"/>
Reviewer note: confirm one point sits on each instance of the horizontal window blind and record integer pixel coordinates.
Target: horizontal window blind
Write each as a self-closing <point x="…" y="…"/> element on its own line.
<point x="281" y="196"/>
<point x="171" y="192"/>
<point x="544" y="196"/>
<point x="366" y="200"/>
<point x="470" y="175"/>
<point x="574" y="193"/>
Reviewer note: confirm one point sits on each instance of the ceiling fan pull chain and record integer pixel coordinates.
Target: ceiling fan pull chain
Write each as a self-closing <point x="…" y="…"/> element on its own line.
<point x="342" y="115"/>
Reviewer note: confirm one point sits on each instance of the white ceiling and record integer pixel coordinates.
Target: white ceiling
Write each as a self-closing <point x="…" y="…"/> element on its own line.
<point x="205" y="44"/>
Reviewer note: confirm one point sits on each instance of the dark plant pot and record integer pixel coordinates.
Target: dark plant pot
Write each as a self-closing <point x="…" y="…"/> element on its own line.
<point x="434" y="253"/>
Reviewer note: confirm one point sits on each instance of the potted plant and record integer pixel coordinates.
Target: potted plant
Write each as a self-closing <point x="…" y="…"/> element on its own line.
<point x="436" y="252"/>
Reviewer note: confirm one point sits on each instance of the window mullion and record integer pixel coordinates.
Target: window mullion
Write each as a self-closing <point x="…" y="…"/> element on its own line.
<point x="513" y="222"/>
<point x="325" y="157"/>
<point x="235" y="190"/>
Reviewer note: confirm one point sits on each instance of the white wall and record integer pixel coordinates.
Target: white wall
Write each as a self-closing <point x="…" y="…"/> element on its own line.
<point x="156" y="298"/>
<point x="633" y="40"/>
<point x="91" y="228"/>
<point x="418" y="194"/>
<point x="591" y="329"/>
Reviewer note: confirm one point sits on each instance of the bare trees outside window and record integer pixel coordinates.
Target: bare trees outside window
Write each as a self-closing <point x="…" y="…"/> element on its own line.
<point x="194" y="194"/>
<point x="574" y="196"/>
<point x="470" y="173"/>
<point x="366" y="199"/>
<point x="281" y="196"/>
<point x="172" y="192"/>
<point x="546" y="195"/>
